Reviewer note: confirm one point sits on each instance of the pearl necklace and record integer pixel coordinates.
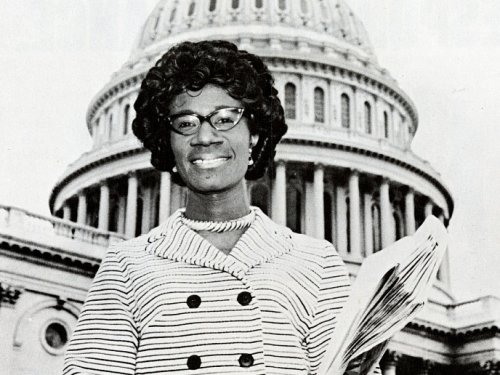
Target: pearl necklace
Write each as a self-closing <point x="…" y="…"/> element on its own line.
<point x="219" y="226"/>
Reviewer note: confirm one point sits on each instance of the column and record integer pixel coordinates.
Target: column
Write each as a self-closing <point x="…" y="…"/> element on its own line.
<point x="428" y="208"/>
<point x="104" y="207"/>
<point x="385" y="214"/>
<point x="367" y="203"/>
<point x="341" y="220"/>
<point x="146" y="210"/>
<point x="375" y="124"/>
<point x="165" y="183"/>
<point x="66" y="212"/>
<point x="410" y="212"/>
<point x="319" y="204"/>
<point x="81" y="217"/>
<point x="389" y="362"/>
<point x="122" y="204"/>
<point x="131" y="215"/>
<point x="354" y="214"/>
<point x="279" y="194"/>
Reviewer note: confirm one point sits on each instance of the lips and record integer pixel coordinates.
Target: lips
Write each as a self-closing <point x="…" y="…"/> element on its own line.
<point x="209" y="161"/>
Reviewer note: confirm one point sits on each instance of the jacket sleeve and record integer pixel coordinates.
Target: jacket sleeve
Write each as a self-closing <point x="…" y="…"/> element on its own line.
<point x="105" y="338"/>
<point x="333" y="293"/>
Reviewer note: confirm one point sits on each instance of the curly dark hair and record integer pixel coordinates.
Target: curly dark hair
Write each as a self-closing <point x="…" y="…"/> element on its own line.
<point x="191" y="66"/>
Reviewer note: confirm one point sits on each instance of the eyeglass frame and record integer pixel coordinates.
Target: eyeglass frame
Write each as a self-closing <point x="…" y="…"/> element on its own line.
<point x="201" y="118"/>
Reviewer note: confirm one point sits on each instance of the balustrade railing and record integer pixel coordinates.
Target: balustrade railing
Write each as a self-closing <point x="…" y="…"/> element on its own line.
<point x="12" y="219"/>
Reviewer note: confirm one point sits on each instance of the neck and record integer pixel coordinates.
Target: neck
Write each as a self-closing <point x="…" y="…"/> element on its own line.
<point x="222" y="206"/>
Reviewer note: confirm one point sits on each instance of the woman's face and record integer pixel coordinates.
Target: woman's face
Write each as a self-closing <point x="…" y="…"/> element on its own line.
<point x="210" y="161"/>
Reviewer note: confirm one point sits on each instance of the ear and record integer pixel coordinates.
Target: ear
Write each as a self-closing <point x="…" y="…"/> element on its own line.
<point x="254" y="139"/>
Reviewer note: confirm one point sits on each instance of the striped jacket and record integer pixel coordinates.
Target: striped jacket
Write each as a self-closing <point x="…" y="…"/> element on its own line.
<point x="170" y="303"/>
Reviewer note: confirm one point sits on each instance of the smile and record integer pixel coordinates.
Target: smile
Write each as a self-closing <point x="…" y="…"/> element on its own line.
<point x="209" y="162"/>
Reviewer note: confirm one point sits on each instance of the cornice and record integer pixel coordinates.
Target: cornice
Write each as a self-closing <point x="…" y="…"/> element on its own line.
<point x="454" y="332"/>
<point x="51" y="257"/>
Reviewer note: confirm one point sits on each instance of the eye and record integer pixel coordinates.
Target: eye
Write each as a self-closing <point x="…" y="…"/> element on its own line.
<point x="227" y="116"/>
<point x="185" y="122"/>
<point x="224" y="120"/>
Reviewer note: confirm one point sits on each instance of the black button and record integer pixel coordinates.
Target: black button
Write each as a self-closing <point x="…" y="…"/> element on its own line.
<point x="246" y="360"/>
<point x="193" y="301"/>
<point x="194" y="362"/>
<point x="244" y="298"/>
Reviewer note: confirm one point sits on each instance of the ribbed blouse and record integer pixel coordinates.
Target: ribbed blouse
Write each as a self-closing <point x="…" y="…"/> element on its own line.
<point x="170" y="302"/>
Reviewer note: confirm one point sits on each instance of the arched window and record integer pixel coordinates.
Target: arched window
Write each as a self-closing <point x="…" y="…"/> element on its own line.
<point x="386" y="125"/>
<point x="126" y="111"/>
<point x="95" y="133"/>
<point x="212" y="6"/>
<point x="319" y="105"/>
<point x="345" y="111"/>
<point x="376" y="232"/>
<point x="327" y="199"/>
<point x="290" y="101"/>
<point x="404" y="130"/>
<point x="235" y="4"/>
<point x="282" y="4"/>
<point x="191" y="8"/>
<point x="258" y="4"/>
<point x="259" y="197"/>
<point x="172" y="15"/>
<point x="110" y="126"/>
<point x="294" y="209"/>
<point x="368" y="118"/>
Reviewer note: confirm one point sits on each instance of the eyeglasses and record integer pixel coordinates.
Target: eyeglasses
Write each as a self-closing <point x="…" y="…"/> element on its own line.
<point x="221" y="119"/>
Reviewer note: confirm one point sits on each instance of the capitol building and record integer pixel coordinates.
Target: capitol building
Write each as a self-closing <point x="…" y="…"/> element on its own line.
<point x="344" y="172"/>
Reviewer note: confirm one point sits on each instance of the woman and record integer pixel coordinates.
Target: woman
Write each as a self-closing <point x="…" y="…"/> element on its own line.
<point x="218" y="288"/>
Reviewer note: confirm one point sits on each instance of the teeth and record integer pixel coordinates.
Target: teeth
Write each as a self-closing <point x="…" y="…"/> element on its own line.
<point x="208" y="161"/>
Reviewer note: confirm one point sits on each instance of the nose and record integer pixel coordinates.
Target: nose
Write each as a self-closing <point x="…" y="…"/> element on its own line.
<point x="207" y="135"/>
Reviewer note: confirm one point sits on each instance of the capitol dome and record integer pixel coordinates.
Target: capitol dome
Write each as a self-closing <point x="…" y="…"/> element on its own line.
<point x="283" y="24"/>
<point x="344" y="171"/>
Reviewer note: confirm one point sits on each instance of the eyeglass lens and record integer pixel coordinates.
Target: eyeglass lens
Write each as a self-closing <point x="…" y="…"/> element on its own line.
<point x="221" y="119"/>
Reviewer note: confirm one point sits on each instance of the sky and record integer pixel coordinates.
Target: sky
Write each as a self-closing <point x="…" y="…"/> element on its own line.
<point x="55" y="55"/>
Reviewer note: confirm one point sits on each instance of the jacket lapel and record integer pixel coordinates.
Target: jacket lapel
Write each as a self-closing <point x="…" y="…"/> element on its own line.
<point x="262" y="242"/>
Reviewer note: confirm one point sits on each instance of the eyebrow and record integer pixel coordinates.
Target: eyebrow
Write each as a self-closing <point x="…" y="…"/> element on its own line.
<point x="190" y="112"/>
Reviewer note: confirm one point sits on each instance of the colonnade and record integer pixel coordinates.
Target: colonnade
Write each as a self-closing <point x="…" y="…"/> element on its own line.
<point x="354" y="218"/>
<point x="356" y="209"/>
<point x="127" y="212"/>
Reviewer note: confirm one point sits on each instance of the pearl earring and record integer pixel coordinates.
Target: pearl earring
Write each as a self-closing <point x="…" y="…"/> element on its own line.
<point x="174" y="169"/>
<point x="250" y="161"/>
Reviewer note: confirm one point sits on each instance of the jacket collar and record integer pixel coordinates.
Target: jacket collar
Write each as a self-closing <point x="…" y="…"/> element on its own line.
<point x="262" y="242"/>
